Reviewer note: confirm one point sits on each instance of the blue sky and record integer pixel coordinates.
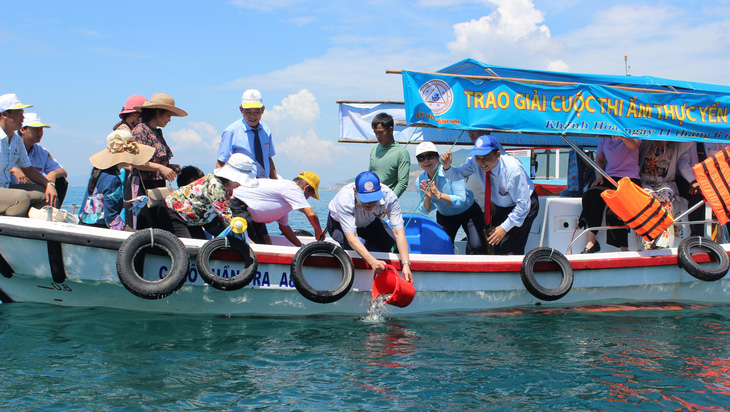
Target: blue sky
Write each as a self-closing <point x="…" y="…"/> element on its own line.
<point x="77" y="61"/>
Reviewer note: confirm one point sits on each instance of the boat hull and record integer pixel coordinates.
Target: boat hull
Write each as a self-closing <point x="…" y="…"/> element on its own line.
<point x="68" y="265"/>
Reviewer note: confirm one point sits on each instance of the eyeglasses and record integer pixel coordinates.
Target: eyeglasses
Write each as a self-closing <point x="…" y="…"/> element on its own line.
<point x="428" y="156"/>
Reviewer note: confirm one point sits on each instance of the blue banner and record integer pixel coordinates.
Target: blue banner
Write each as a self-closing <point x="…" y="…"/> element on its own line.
<point x="454" y="102"/>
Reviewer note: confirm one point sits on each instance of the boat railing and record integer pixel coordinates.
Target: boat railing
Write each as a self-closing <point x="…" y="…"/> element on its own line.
<point x="599" y="228"/>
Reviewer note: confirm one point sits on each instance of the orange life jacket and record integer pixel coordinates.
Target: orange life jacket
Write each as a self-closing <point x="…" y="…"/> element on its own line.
<point x="713" y="176"/>
<point x="638" y="209"/>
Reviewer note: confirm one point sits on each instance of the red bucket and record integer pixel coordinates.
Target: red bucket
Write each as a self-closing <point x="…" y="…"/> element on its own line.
<point x="390" y="281"/>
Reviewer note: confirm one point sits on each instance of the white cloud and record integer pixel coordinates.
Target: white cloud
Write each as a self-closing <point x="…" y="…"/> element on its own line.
<point x="301" y="109"/>
<point x="658" y="40"/>
<point x="309" y="150"/>
<point x="301" y="21"/>
<point x="200" y="135"/>
<point x="511" y="35"/>
<point x="88" y="33"/>
<point x="297" y="144"/>
<point x="263" y="5"/>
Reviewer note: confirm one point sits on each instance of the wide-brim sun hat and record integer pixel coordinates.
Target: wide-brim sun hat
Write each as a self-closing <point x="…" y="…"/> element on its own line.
<point x="426" y="147"/>
<point x="162" y="101"/>
<point x="238" y="168"/>
<point x="484" y="145"/>
<point x="121" y="148"/>
<point x="312" y="180"/>
<point x="367" y="186"/>
<point x="132" y="102"/>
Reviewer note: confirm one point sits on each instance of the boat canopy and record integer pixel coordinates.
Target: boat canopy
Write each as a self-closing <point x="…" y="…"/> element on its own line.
<point x="470" y="95"/>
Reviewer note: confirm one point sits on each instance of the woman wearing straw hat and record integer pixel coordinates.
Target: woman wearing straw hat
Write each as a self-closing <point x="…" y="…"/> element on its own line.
<point x="155" y="114"/>
<point x="130" y="116"/>
<point x="104" y="198"/>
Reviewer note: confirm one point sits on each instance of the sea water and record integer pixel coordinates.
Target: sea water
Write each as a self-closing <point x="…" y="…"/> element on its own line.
<point x="630" y="357"/>
<point x="661" y="357"/>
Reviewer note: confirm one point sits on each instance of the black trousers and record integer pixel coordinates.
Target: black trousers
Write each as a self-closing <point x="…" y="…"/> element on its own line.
<point x="472" y="221"/>
<point x="377" y="237"/>
<point x="171" y="221"/>
<point x="592" y="214"/>
<point x="256" y="231"/>
<point x="149" y="217"/>
<point x="515" y="240"/>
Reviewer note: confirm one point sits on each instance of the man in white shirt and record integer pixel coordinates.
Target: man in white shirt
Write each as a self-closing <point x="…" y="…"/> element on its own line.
<point x="355" y="212"/>
<point x="16" y="202"/>
<point x="511" y="191"/>
<point x="272" y="200"/>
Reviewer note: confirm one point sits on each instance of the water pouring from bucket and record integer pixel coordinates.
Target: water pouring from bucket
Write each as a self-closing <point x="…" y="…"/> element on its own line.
<point x="391" y="282"/>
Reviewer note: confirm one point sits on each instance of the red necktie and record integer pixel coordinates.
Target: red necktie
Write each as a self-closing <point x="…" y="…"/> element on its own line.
<point x="488" y="199"/>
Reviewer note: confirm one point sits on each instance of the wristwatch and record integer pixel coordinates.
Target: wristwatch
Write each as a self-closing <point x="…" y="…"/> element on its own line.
<point x="52" y="184"/>
<point x="407" y="262"/>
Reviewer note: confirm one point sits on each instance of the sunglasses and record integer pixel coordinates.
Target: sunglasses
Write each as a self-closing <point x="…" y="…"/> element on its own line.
<point x="428" y="156"/>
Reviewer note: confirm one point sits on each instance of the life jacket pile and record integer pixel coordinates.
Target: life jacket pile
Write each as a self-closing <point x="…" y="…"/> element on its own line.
<point x="638" y="209"/>
<point x="713" y="176"/>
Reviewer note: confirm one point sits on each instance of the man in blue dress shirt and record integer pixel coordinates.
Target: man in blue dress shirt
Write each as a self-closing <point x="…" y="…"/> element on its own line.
<point x="510" y="190"/>
<point x="40" y="158"/>
<point x="250" y="136"/>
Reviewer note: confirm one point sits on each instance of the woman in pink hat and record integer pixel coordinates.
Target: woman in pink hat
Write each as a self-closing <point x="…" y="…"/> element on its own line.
<point x="130" y="116"/>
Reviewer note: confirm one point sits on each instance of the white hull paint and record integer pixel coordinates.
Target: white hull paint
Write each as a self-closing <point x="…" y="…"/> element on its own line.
<point x="442" y="283"/>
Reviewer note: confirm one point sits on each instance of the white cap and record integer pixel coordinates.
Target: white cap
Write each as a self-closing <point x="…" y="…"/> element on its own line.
<point x="252" y="99"/>
<point x="425" y="147"/>
<point x="10" y="101"/>
<point x="238" y="168"/>
<point x="32" y="120"/>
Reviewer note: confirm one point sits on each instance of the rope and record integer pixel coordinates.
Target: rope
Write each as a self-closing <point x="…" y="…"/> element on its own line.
<point x="152" y="238"/>
<point x="430" y="182"/>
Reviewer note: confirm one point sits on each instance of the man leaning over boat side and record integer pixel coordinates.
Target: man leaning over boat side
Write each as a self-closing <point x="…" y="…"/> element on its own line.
<point x="250" y="136"/>
<point x="40" y="158"/>
<point x="16" y="202"/>
<point x="271" y="201"/>
<point x="507" y="185"/>
<point x="388" y="159"/>
<point x="355" y="212"/>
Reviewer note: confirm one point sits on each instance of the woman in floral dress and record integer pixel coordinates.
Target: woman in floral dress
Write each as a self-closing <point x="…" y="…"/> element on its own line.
<point x="201" y="203"/>
<point x="658" y="170"/>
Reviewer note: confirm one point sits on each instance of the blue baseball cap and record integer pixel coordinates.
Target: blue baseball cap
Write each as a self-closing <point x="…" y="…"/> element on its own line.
<point x="484" y="145"/>
<point x="367" y="186"/>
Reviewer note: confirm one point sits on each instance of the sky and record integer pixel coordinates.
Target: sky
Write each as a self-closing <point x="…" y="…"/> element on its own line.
<point x="77" y="61"/>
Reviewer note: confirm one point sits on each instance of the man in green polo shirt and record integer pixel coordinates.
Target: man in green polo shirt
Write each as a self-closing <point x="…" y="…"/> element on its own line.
<point x="388" y="159"/>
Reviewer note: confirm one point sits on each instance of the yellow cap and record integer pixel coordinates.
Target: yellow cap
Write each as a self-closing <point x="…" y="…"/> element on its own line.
<point x="312" y="180"/>
<point x="238" y="225"/>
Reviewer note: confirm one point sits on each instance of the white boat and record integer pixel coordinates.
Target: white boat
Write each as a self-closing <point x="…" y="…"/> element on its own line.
<point x="70" y="265"/>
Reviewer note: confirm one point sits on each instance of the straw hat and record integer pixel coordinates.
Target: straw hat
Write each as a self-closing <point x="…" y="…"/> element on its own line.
<point x="162" y="101"/>
<point x="121" y="148"/>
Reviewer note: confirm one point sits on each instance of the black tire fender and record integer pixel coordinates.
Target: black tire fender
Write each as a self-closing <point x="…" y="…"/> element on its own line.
<point x="684" y="258"/>
<point x="527" y="273"/>
<point x="309" y="292"/>
<point x="130" y="251"/>
<point x="242" y="279"/>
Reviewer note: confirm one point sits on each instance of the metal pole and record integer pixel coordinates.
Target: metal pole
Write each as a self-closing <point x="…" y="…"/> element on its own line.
<point x="588" y="159"/>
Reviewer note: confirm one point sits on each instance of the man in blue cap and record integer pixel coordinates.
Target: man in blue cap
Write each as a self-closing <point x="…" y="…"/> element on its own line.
<point x="507" y="186"/>
<point x="355" y="212"/>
